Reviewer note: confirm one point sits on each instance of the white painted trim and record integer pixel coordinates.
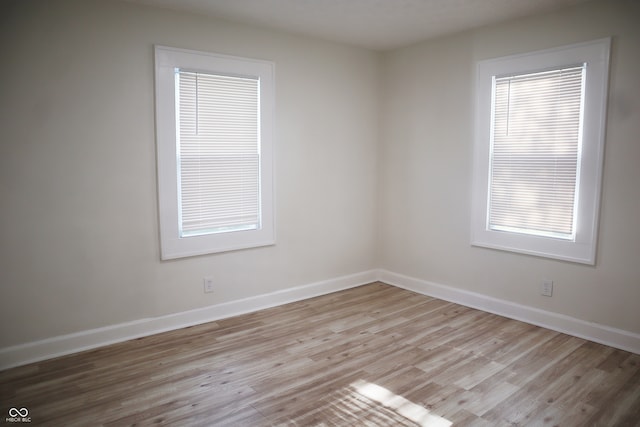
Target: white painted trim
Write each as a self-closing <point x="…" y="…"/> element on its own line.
<point x="48" y="348"/>
<point x="591" y="331"/>
<point x="172" y="244"/>
<point x="582" y="249"/>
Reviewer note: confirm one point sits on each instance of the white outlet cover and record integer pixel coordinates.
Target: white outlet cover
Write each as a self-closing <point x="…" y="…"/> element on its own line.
<point x="208" y="284"/>
<point x="547" y="288"/>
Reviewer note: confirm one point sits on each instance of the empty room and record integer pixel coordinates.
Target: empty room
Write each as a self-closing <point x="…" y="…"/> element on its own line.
<point x="320" y="212"/>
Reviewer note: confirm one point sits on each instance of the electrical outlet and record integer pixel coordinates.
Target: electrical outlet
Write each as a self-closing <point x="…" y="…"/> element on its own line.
<point x="547" y="288"/>
<point x="208" y="285"/>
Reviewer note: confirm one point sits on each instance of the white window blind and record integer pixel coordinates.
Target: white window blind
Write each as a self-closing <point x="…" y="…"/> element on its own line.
<point x="218" y="153"/>
<point x="538" y="151"/>
<point x="535" y="152"/>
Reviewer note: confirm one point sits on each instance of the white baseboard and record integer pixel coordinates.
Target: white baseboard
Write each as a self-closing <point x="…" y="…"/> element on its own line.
<point x="595" y="332"/>
<point x="36" y="351"/>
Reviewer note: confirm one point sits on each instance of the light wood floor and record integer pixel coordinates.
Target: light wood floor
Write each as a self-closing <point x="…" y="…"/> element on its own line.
<point x="374" y="355"/>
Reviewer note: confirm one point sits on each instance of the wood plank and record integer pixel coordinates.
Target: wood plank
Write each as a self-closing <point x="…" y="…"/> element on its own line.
<point x="373" y="355"/>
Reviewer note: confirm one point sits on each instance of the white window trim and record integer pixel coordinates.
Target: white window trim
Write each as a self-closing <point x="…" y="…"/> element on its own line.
<point x="167" y="59"/>
<point x="595" y="55"/>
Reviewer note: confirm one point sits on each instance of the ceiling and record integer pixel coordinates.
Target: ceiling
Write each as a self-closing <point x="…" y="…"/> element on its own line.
<point x="372" y="24"/>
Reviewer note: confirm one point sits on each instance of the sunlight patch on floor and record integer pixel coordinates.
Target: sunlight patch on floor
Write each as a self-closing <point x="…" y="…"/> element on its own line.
<point x="400" y="405"/>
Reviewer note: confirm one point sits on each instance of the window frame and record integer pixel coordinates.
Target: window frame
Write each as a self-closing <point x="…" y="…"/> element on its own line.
<point x="582" y="249"/>
<point x="167" y="60"/>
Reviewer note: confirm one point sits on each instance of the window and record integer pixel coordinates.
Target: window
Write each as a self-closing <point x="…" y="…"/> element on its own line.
<point x="214" y="118"/>
<point x="540" y="121"/>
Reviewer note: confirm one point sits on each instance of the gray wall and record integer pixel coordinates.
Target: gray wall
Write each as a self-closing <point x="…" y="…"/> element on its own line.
<point x="373" y="167"/>
<point x="426" y="162"/>
<point x="80" y="245"/>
